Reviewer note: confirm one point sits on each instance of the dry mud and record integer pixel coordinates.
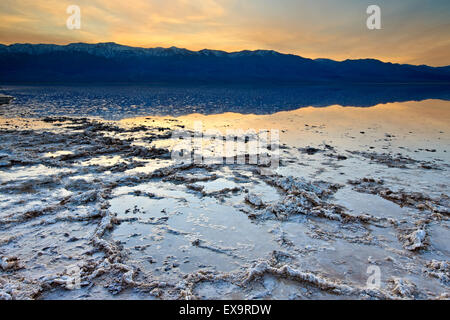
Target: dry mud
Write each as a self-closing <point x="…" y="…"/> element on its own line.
<point x="93" y="209"/>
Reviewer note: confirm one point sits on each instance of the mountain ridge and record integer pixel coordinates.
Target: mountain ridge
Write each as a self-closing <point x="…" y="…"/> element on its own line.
<point x="111" y="62"/>
<point x="161" y="51"/>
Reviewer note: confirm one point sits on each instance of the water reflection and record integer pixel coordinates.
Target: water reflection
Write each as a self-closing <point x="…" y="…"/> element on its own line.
<point x="116" y="102"/>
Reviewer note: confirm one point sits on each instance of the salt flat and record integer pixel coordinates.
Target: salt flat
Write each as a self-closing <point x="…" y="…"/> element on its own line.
<point x="95" y="209"/>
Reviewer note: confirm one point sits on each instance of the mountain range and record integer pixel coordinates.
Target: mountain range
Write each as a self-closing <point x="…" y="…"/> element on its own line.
<point x="111" y="62"/>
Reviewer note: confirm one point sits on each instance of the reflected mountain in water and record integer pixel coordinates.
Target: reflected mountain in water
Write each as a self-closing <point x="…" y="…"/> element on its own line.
<point x="115" y="102"/>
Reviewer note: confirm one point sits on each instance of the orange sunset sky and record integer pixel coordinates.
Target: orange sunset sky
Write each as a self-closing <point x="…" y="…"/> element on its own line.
<point x="413" y="31"/>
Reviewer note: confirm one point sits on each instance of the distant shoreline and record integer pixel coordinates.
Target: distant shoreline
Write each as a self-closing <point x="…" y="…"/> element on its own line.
<point x="224" y="83"/>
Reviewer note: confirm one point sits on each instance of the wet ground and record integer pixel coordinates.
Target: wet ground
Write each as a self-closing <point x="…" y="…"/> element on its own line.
<point x="94" y="209"/>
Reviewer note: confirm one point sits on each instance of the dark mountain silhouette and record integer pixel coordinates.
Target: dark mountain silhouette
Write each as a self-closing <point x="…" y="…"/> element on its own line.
<point x="110" y="62"/>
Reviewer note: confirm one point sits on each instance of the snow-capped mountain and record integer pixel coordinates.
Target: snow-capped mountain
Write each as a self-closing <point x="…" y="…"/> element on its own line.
<point x="114" y="50"/>
<point x="107" y="62"/>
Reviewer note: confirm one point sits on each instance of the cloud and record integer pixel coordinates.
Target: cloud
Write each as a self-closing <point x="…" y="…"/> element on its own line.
<point x="413" y="31"/>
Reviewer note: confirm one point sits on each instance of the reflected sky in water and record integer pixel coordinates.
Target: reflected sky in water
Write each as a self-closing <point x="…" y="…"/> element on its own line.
<point x="124" y="101"/>
<point x="404" y="126"/>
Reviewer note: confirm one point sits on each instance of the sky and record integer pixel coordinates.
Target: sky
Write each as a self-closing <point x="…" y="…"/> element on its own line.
<point x="412" y="31"/>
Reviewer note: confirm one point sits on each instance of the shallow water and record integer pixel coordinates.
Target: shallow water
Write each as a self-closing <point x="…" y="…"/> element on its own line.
<point x="115" y="102"/>
<point x="93" y="209"/>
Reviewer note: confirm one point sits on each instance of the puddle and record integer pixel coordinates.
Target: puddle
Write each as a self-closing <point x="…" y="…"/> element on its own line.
<point x="360" y="203"/>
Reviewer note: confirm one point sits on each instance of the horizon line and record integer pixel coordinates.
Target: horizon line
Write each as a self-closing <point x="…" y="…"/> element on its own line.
<point x="227" y="52"/>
